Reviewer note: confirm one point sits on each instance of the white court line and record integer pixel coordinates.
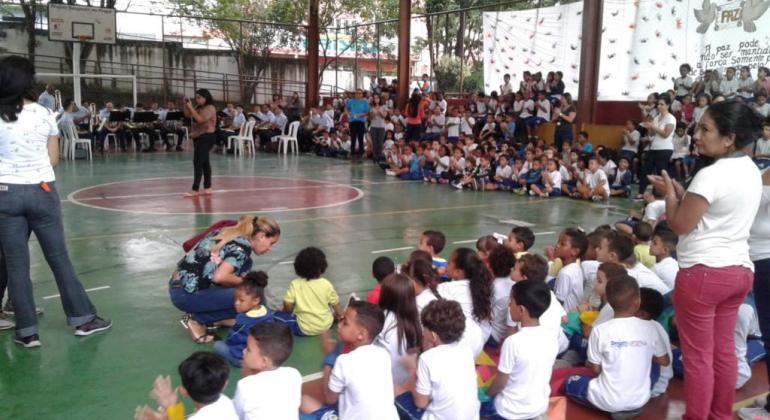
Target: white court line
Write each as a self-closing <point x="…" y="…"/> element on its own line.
<point x="312" y="377"/>
<point x="469" y="241"/>
<point x="285" y="262"/>
<point x="403" y="248"/>
<point x="516" y="222"/>
<point x="93" y="289"/>
<point x="544" y="233"/>
<point x="116" y="197"/>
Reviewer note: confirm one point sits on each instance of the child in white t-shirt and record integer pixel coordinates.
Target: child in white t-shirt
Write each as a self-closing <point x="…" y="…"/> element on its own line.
<point x="653" y="212"/>
<point x="521" y="388"/>
<point x="444" y="383"/>
<point x="620" y="352"/>
<point x="650" y="308"/>
<point x="763" y="143"/>
<point x="204" y="377"/>
<point x="595" y="186"/>
<point x="570" y="248"/>
<point x="681" y="142"/>
<point x="501" y="262"/>
<point x="663" y="245"/>
<point x="550" y="184"/>
<point x="360" y="383"/>
<point x="618" y="247"/>
<point x="748" y="343"/>
<point x="273" y="391"/>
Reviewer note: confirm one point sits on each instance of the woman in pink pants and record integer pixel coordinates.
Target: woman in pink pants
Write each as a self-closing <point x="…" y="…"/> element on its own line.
<point x="713" y="218"/>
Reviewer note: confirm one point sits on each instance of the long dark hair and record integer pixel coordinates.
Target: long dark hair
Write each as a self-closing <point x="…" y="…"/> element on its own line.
<point x="422" y="272"/>
<point x="205" y="94"/>
<point x="397" y="296"/>
<point x="414" y="105"/>
<point x="17" y="75"/>
<point x="480" y="279"/>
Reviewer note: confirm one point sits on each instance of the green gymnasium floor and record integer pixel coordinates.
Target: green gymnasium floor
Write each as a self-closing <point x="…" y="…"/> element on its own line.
<point x="125" y="258"/>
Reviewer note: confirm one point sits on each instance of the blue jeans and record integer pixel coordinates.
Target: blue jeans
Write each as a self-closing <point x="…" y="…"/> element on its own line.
<point x="290" y="320"/>
<point x="25" y="208"/>
<point x="206" y="305"/>
<point x="762" y="301"/>
<point x="406" y="408"/>
<point x="221" y="348"/>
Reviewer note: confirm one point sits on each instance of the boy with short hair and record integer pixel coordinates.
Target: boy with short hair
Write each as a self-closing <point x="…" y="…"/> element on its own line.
<point x="617" y="247"/>
<point x="381" y="267"/>
<point x="595" y="186"/>
<point x="570" y="248"/>
<point x="620" y="352"/>
<point x="521" y="387"/>
<point x="642" y="236"/>
<point x="650" y="309"/>
<point x="664" y="243"/>
<point x="521" y="240"/>
<point x="433" y="242"/>
<point x="273" y="391"/>
<point x="361" y="380"/>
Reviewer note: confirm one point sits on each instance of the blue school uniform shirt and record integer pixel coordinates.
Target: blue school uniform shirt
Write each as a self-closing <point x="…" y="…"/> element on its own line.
<point x="358" y="106"/>
<point x="239" y="333"/>
<point x="414" y="164"/>
<point x="441" y="263"/>
<point x="533" y="176"/>
<point x="588" y="148"/>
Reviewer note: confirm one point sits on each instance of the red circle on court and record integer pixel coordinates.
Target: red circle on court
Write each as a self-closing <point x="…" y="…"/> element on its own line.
<point x="231" y="194"/>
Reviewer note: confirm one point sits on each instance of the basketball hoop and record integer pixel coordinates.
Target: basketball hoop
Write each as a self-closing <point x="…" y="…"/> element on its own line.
<point x="85" y="38"/>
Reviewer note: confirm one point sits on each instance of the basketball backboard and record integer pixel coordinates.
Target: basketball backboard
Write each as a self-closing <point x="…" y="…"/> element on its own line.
<point x="81" y="23"/>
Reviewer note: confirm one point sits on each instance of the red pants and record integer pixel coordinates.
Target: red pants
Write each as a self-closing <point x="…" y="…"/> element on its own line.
<point x="706" y="302"/>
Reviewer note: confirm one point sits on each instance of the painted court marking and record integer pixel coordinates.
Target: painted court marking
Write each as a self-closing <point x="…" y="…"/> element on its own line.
<point x="382" y="251"/>
<point x="93" y="289"/>
<point x="469" y="241"/>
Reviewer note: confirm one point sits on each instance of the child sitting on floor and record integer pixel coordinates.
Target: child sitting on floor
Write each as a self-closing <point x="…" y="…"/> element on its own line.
<point x="204" y="377"/>
<point x="502" y="178"/>
<point x="642" y="236"/>
<point x="618" y="247"/>
<point x="272" y="391"/>
<point x="620" y="352"/>
<point x="550" y="185"/>
<point x="381" y="267"/>
<point x="433" y="242"/>
<point x="249" y="303"/>
<point x="521" y="387"/>
<point x="360" y="383"/>
<point x="307" y="301"/>
<point x="444" y="384"/>
<point x="594" y="186"/>
<point x="650" y="308"/>
<point x="568" y="287"/>
<point x="654" y="211"/>
<point x="663" y="245"/>
<point x="621" y="184"/>
<point x="501" y="263"/>
<point x="530" y="178"/>
<point x="520" y="240"/>
<point x="401" y="333"/>
<point x="425" y="280"/>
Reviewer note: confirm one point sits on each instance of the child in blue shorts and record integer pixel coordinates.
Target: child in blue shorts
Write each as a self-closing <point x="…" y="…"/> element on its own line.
<point x="531" y="177"/>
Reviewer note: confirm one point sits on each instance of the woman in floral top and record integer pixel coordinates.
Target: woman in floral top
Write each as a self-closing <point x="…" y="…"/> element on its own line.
<point x="204" y="282"/>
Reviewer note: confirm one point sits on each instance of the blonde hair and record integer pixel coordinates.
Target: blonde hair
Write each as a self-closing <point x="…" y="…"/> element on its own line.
<point x="247" y="226"/>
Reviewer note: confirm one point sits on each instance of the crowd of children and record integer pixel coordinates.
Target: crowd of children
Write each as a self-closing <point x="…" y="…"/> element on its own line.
<point x="599" y="299"/>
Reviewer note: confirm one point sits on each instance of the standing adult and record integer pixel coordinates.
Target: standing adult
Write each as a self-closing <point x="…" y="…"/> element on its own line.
<point x="564" y="117"/>
<point x="661" y="132"/>
<point x="377" y="127"/>
<point x="204" y="125"/>
<point x="205" y="279"/>
<point x="29" y="149"/>
<point x="359" y="109"/>
<point x="48" y="98"/>
<point x="415" y="115"/>
<point x="713" y="218"/>
<point x="759" y="250"/>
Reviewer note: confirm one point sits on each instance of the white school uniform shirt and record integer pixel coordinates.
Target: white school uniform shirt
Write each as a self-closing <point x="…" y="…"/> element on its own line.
<point x="747" y="83"/>
<point x="666" y="269"/>
<point x="624" y="348"/>
<point x="551" y="319"/>
<point x="460" y="292"/>
<point x="596" y="179"/>
<point x="504" y="172"/>
<point x="659" y="142"/>
<point x="697" y="113"/>
<point x="466" y="125"/>
<point x="364" y="383"/>
<point x="609" y="167"/>
<point x="501" y="297"/>
<point x="442" y="165"/>
<point x="720" y="239"/>
<point x="681" y="146"/>
<point x="666" y="372"/>
<point x="518" y="106"/>
<point x="565" y="175"/>
<point x="606" y="313"/>
<point x="546" y="115"/>
<point x="763" y="146"/>
<point x="618" y="181"/>
<point x="527" y="358"/>
<point x="634" y="136"/>
<point x="24" y="146"/>
<point x="272" y="394"/>
<point x="221" y="409"/>
<point x="438" y="124"/>
<point x="655" y="211"/>
<point x="683" y="85"/>
<point x="647" y="278"/>
<point x="388" y="339"/>
<point x="424" y="298"/>
<point x="453" y="127"/>
<point x="747" y="324"/>
<point x="569" y="286"/>
<point x="527" y="109"/>
<point x="764" y="110"/>
<point x="759" y="241"/>
<point x="728" y="88"/>
<point x="555" y="179"/>
<point x="447" y="374"/>
<point x="590" y="268"/>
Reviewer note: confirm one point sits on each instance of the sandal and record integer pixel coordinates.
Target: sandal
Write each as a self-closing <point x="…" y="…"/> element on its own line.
<point x="198" y="339"/>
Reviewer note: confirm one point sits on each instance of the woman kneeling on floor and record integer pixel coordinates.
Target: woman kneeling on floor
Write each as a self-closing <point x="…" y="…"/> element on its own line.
<point x="204" y="282"/>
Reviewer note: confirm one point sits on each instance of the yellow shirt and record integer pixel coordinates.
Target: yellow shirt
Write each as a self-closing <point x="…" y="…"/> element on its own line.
<point x="311" y="300"/>
<point x="642" y="254"/>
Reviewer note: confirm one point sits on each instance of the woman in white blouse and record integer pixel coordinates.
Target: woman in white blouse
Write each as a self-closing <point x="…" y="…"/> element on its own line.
<point x="29" y="148"/>
<point x="713" y="218"/>
<point x="661" y="132"/>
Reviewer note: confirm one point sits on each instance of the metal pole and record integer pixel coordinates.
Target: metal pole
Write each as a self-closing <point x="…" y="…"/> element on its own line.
<point x="76" y="72"/>
<point x="404" y="26"/>
<point x="163" y="45"/>
<point x="355" y="58"/>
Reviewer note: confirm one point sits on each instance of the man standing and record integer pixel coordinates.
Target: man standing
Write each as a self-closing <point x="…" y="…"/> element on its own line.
<point x="48" y="97"/>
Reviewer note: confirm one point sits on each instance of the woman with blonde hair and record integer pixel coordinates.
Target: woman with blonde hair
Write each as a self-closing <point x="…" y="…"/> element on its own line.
<point x="203" y="284"/>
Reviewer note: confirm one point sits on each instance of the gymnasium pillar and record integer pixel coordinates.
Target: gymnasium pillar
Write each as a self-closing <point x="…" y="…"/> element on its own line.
<point x="313" y="38"/>
<point x="404" y="26"/>
<point x="590" y="57"/>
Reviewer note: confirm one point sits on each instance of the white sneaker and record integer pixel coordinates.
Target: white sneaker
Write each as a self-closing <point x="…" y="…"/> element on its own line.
<point x="753" y="413"/>
<point x="6" y="324"/>
<point x="388" y="172"/>
<point x="457" y="185"/>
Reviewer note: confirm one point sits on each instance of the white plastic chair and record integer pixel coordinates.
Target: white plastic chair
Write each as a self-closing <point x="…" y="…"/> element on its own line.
<point x="64" y="142"/>
<point x="75" y="140"/>
<point x="106" y="145"/>
<point x="245" y="139"/>
<point x="290" y="139"/>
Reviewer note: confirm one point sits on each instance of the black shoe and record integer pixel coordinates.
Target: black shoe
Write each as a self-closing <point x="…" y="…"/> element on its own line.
<point x="148" y="150"/>
<point x="179" y="149"/>
<point x="94" y="326"/>
<point x="29" y="341"/>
